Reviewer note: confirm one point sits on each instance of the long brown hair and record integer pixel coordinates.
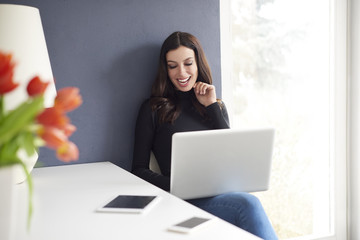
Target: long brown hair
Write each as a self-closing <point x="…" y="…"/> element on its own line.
<point x="163" y="97"/>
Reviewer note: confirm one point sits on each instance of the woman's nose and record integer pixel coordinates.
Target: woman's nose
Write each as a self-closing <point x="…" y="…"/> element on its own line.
<point x="182" y="71"/>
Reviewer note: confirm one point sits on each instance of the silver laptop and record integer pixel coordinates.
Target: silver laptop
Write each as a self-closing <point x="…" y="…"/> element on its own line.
<point x="208" y="163"/>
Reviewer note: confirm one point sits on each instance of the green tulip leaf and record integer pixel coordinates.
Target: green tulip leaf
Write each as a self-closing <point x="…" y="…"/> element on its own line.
<point x="19" y="118"/>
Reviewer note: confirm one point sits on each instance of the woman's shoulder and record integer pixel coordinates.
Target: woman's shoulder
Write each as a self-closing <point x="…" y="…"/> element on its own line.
<point x="146" y="113"/>
<point x="145" y="105"/>
<point x="146" y="102"/>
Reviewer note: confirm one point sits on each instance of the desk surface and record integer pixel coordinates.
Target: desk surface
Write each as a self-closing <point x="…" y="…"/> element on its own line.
<point x="65" y="199"/>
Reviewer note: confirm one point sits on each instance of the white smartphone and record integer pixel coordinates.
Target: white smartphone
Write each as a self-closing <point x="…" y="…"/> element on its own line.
<point x="129" y="204"/>
<point x="189" y="225"/>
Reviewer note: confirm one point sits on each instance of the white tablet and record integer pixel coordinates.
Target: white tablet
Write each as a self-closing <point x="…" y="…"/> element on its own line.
<point x="129" y="204"/>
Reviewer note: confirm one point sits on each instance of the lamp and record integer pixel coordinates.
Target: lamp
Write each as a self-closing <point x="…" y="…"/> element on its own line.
<point x="21" y="34"/>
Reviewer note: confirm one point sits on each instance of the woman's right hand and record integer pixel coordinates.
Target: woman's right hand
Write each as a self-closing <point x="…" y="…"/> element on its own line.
<point x="205" y="93"/>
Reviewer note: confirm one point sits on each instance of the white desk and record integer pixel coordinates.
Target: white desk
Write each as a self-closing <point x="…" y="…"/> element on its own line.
<point x="65" y="199"/>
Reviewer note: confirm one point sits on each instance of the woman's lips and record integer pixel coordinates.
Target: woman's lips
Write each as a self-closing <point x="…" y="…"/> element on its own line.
<point x="183" y="82"/>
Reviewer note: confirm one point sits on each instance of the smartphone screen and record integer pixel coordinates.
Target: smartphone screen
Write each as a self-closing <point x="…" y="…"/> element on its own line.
<point x="188" y="225"/>
<point x="192" y="222"/>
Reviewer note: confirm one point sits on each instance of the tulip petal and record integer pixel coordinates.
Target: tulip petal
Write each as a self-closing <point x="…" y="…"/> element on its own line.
<point x="36" y="87"/>
<point x="69" y="129"/>
<point x="53" y="117"/>
<point x="7" y="83"/>
<point x="53" y="137"/>
<point x="68" y="99"/>
<point x="68" y="152"/>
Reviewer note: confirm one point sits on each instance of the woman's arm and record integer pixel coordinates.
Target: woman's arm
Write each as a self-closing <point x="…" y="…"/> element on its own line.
<point x="218" y="115"/>
<point x="206" y="95"/>
<point x="144" y="134"/>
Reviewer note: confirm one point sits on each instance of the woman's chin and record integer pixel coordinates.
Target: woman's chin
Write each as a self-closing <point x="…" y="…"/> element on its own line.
<point x="184" y="89"/>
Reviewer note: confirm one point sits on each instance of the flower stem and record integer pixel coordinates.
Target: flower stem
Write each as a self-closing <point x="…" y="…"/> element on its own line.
<point x="30" y="185"/>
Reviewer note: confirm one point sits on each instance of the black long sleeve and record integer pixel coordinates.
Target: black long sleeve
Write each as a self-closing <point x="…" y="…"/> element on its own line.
<point x="144" y="135"/>
<point x="155" y="137"/>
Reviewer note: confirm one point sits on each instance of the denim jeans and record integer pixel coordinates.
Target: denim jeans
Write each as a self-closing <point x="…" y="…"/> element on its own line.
<point x="241" y="209"/>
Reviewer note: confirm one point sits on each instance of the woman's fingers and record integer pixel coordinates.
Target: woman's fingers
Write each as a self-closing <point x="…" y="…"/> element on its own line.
<point x="201" y="88"/>
<point x="205" y="93"/>
<point x="204" y="88"/>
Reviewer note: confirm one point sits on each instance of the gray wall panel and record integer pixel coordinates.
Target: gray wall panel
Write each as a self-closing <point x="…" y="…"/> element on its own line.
<point x="109" y="49"/>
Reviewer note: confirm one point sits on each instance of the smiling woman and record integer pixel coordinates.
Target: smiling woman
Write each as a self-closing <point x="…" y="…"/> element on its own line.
<point x="184" y="99"/>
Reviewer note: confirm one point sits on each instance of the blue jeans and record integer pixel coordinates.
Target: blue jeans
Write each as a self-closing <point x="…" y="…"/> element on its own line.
<point x="241" y="209"/>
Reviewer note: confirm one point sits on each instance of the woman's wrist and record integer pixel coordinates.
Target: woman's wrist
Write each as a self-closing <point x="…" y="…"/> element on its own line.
<point x="207" y="104"/>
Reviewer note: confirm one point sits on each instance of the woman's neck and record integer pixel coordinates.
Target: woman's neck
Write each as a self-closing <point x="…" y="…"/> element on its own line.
<point x="184" y="95"/>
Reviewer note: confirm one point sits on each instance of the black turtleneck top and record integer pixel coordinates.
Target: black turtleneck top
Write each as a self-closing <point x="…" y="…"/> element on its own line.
<point x="150" y="135"/>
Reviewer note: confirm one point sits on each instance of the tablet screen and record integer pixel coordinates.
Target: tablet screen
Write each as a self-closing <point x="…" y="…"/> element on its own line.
<point x="128" y="203"/>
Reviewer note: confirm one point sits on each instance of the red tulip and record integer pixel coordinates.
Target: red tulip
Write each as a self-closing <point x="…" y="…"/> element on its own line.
<point x="69" y="129"/>
<point x="68" y="152"/>
<point x="7" y="83"/>
<point x="53" y="137"/>
<point x="36" y="87"/>
<point x="53" y="117"/>
<point x="68" y="99"/>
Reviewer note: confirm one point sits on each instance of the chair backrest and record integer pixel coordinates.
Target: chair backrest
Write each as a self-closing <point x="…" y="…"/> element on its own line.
<point x="153" y="165"/>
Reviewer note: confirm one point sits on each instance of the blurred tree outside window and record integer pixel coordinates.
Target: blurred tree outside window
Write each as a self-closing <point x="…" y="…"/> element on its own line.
<point x="281" y="78"/>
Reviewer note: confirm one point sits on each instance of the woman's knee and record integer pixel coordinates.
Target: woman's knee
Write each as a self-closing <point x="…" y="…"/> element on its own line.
<point x="244" y="200"/>
<point x="232" y="205"/>
<point x="242" y="209"/>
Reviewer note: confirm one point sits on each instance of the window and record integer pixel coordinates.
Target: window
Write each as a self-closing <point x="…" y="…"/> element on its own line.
<point x="282" y="69"/>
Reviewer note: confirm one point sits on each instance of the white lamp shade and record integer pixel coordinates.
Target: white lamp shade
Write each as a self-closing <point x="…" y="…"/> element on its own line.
<point x="21" y="34"/>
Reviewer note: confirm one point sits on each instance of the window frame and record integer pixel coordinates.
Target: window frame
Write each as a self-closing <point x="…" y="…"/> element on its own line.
<point x="338" y="63"/>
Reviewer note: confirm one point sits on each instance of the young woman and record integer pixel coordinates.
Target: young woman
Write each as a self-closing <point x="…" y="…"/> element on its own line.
<point x="184" y="99"/>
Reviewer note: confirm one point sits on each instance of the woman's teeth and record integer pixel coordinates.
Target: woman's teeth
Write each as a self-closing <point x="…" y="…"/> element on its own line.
<point x="183" y="81"/>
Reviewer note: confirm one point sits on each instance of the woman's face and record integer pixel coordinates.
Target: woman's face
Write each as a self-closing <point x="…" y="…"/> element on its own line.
<point x="182" y="68"/>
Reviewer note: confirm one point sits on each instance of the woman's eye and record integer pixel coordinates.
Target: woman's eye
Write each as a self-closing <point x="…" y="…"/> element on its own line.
<point x="188" y="64"/>
<point x="171" y="66"/>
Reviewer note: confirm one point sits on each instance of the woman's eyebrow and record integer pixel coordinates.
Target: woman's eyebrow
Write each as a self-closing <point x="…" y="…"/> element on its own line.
<point x="189" y="58"/>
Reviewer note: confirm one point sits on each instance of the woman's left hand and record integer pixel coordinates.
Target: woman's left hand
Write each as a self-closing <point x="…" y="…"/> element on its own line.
<point x="205" y="93"/>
